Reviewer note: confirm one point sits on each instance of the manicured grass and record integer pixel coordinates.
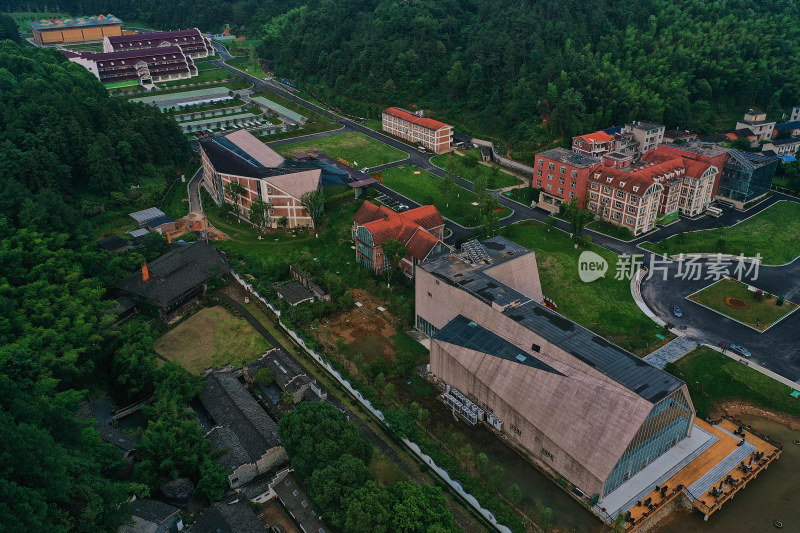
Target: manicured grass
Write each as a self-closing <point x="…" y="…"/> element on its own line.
<point x="469" y="168"/>
<point x="202" y="76"/>
<point x="375" y="124"/>
<point x="352" y="147"/>
<point x="524" y="195"/>
<point x="774" y="233"/>
<point x="604" y="306"/>
<point x="247" y="65"/>
<point x="206" y="64"/>
<point x="309" y="128"/>
<point x="714" y="378"/>
<point x="212" y="337"/>
<point x="424" y="188"/>
<point x="766" y="309"/>
<point x="606" y="228"/>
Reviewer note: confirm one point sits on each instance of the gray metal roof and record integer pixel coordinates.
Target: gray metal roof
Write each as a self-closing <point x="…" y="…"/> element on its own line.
<point x="462" y="331"/>
<point x="569" y="157"/>
<point x="620" y="365"/>
<point x="146" y="215"/>
<point x="141" y="232"/>
<point x="707" y="149"/>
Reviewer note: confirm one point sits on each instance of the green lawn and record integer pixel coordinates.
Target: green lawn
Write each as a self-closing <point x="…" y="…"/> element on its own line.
<point x="375" y="124"/>
<point x="424" y="188"/>
<point x="714" y="378"/>
<point x="604" y="306"/>
<point x="212" y="337"/>
<point x="176" y="203"/>
<point x="606" y="228"/>
<point x="352" y="147"/>
<point x="774" y="233"/>
<point x="202" y="76"/>
<point x="746" y="308"/>
<point x="206" y="64"/>
<point x="247" y="65"/>
<point x="469" y="168"/>
<point x="524" y="195"/>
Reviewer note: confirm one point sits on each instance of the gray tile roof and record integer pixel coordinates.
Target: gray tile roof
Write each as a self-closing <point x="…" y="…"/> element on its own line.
<point x="231" y="406"/>
<point x="299" y="505"/>
<point x="294" y="293"/>
<point x="708" y="149"/>
<point x="235" y="456"/>
<point x="230" y="516"/>
<point x="177" y="272"/>
<point x="289" y="375"/>
<point x="153" y="510"/>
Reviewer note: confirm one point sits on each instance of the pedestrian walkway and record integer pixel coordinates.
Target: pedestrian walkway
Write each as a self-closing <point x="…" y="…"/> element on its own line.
<point x="712" y="477"/>
<point x="671" y="352"/>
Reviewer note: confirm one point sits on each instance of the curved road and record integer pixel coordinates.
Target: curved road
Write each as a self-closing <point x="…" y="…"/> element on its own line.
<point x="776" y="349"/>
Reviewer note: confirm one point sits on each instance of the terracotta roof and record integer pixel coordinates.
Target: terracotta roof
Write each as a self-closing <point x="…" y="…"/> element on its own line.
<point x="428" y="123"/>
<point x="369" y="212"/>
<point x="420" y="244"/>
<point x="597" y="137"/>
<point x="426" y="216"/>
<point x="695" y="169"/>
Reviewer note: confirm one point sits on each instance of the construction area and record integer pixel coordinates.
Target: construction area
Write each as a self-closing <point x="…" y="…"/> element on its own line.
<point x="706" y="470"/>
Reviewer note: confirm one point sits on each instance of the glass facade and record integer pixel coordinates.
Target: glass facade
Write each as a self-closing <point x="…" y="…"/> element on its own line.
<point x="746" y="176"/>
<point x="425" y="327"/>
<point x="667" y="423"/>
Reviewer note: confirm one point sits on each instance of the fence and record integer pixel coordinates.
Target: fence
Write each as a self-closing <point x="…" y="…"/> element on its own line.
<point x="455" y="485"/>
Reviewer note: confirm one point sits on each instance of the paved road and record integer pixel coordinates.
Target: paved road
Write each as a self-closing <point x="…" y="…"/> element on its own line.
<point x="195" y="205"/>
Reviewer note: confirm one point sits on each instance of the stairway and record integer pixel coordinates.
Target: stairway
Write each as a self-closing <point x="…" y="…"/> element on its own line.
<point x="711" y="478"/>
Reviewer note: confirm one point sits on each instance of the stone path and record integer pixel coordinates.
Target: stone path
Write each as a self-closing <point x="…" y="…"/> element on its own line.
<point x="671" y="352"/>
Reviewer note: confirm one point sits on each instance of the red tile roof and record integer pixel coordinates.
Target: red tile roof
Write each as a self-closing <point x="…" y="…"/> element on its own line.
<point x="427" y="123"/>
<point x="410" y="227"/>
<point x="421" y="244"/>
<point x="597" y="137"/>
<point x="369" y="212"/>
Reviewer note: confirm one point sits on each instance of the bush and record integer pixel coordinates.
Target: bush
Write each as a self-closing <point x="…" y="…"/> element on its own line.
<point x="265" y="376"/>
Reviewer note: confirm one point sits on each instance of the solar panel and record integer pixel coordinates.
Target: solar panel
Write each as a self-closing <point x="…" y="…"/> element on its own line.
<point x="475" y="251"/>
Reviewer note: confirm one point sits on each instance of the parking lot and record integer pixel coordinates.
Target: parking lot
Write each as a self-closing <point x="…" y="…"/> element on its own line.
<point x="392" y="204"/>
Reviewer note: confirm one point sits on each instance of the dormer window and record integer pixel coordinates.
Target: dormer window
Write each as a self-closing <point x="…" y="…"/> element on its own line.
<point x="635" y="188"/>
<point x="609" y="179"/>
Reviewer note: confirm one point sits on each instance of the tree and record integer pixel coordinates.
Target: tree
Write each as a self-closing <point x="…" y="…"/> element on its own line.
<point x="259" y="215"/>
<point x="213" y="480"/>
<point x="482" y="462"/>
<point x="315" y="434"/>
<point x="389" y="392"/>
<point x="551" y="221"/>
<point x="496" y="477"/>
<point x="288" y="397"/>
<point x="234" y="191"/>
<point x="568" y="113"/>
<point x="516" y="494"/>
<point x="8" y="29"/>
<point x="420" y="509"/>
<point x="448" y="187"/>
<point x="314" y="203"/>
<point x="283" y="222"/>
<point x="265" y="376"/>
<point x="329" y="486"/>
<point x="479" y="188"/>
<point x="368" y="509"/>
<point x="393" y="252"/>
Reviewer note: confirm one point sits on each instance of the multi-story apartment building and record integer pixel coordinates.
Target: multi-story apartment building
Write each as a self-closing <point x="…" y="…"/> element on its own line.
<point x="710" y="153"/>
<point x="192" y="42"/>
<point x="421" y="230"/>
<point x="757" y="122"/>
<point x="147" y="65"/>
<point x="658" y="188"/>
<point x="593" y="144"/>
<point x="647" y="135"/>
<point x="241" y="158"/>
<point x="433" y="135"/>
<point x="795" y="114"/>
<point x="561" y="175"/>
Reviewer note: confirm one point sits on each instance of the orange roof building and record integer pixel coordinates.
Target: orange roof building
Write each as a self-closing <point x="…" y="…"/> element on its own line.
<point x="421" y="230"/>
<point x="433" y="135"/>
<point x="593" y="144"/>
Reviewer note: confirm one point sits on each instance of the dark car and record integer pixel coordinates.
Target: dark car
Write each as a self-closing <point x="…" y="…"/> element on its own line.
<point x="676" y="311"/>
<point x="741" y="350"/>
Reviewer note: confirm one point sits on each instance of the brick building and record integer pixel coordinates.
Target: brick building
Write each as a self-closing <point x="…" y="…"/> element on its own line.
<point x="265" y="175"/>
<point x="75" y="30"/>
<point x="421" y="230"/>
<point x="148" y="65"/>
<point x="192" y="42"/>
<point x="433" y="135"/>
<point x="561" y="175"/>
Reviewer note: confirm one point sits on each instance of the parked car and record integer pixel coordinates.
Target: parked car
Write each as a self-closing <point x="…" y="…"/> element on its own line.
<point x="676" y="311"/>
<point x="741" y="350"/>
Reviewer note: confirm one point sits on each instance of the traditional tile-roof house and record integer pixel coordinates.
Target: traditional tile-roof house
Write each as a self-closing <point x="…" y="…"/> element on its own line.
<point x="243" y="429"/>
<point x="295" y="500"/>
<point x="153" y="516"/>
<point x="177" y="279"/>
<point x="421" y="230"/>
<point x="229" y="516"/>
<point x="289" y="375"/>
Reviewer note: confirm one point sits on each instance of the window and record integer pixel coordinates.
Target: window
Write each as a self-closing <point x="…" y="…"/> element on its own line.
<point x="592" y="206"/>
<point x="593" y="195"/>
<point x="572" y="194"/>
<point x="538" y="183"/>
<point x="563" y="169"/>
<point x="595" y="186"/>
<point x="631" y="209"/>
<point x="574" y="173"/>
<point x="549" y="186"/>
<point x="620" y="194"/>
<point x="561" y="181"/>
<point x="295" y="492"/>
<point x="561" y="190"/>
<point x="538" y="172"/>
<point x="551" y="165"/>
<point x="634" y="198"/>
<point x="550" y="176"/>
<point x="541" y="162"/>
<point x="606" y="189"/>
<point x="617" y="215"/>
<point x="572" y="185"/>
<point x="618" y="205"/>
<point x="630" y="220"/>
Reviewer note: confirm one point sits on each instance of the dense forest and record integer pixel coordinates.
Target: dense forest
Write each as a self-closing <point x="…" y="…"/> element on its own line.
<point x="68" y="154"/>
<point x="524" y="71"/>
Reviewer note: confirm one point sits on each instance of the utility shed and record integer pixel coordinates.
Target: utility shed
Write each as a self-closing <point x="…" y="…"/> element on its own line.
<point x="141" y="218"/>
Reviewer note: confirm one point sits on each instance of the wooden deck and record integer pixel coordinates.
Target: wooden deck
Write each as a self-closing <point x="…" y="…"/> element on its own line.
<point x="704" y="463"/>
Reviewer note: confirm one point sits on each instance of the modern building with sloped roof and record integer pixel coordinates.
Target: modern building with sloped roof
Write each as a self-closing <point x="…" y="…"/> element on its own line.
<point x="144" y="65"/>
<point x="177" y="279"/>
<point x="239" y="157"/>
<point x="242" y="428"/>
<point x="421" y="230"/>
<point x="593" y="412"/>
